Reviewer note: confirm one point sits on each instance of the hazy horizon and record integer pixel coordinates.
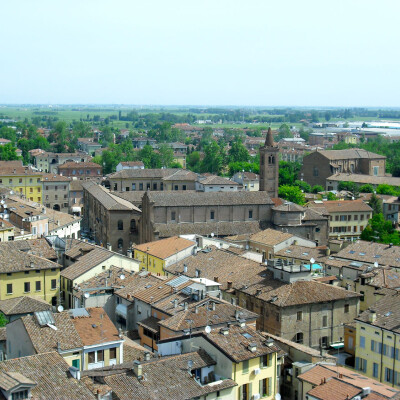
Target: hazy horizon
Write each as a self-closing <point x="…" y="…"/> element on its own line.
<point x="331" y="54"/>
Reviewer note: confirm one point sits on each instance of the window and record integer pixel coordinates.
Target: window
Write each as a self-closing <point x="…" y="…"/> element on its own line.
<point x="20" y="395"/>
<point x="133" y="186"/>
<point x="324" y="321"/>
<point x="244" y="392"/>
<point x="375" y="370"/>
<point x="362" y="217"/>
<point x="183" y="187"/>
<point x="9" y="288"/>
<point x="113" y="353"/>
<point x="376" y="171"/>
<point x="92" y="357"/>
<point x="299" y="315"/>
<point x="245" y="367"/>
<point x="148" y="186"/>
<point x="100" y="355"/>
<point x="133" y="225"/>
<point x="212" y="215"/>
<point x="140" y="186"/>
<point x="362" y="295"/>
<point x="27" y="287"/>
<point x="154" y="186"/>
<point x="388" y="375"/>
<point x="315" y="171"/>
<point x="355" y="217"/>
<point x="120" y="225"/>
<point x="120" y="243"/>
<point x="250" y="214"/>
<point x="266" y="360"/>
<point x="362" y="342"/>
<point x="38" y="286"/>
<point x="115" y="186"/>
<point x="324" y="341"/>
<point x="346" y="308"/>
<point x="20" y="180"/>
<point x="298" y="337"/>
<point x="53" y="284"/>
<point x="266" y="387"/>
<point x="173" y="216"/>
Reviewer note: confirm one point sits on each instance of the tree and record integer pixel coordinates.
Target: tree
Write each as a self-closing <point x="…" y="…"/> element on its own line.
<point x="317" y="188"/>
<point x="8" y="152"/>
<point x="331" y="196"/>
<point x="292" y="193"/>
<point x="304" y="186"/>
<point x="380" y="230"/>
<point x="383" y="188"/>
<point x="328" y="116"/>
<point x="3" y="320"/>
<point x="166" y="155"/>
<point x="213" y="159"/>
<point x="288" y="172"/>
<point x="376" y="204"/>
<point x="238" y="152"/>
<point x="193" y="161"/>
<point x="284" y="132"/>
<point x="366" y="188"/>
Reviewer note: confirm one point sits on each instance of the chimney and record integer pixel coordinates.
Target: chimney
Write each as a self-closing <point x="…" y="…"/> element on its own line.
<point x="197" y="273"/>
<point x="372" y="316"/>
<point x="184" y="268"/>
<point x="98" y="394"/>
<point x="81" y="251"/>
<point x="129" y="253"/>
<point x="75" y="372"/>
<point x="32" y="265"/>
<point x="229" y="285"/>
<point x="58" y="223"/>
<point x="252" y="347"/>
<point x="137" y="369"/>
<point x="328" y="251"/>
<point x="22" y="232"/>
<point x="109" y="247"/>
<point x="146" y="356"/>
<point x="224" y="331"/>
<point x="237" y="315"/>
<point x="216" y="278"/>
<point x="185" y="306"/>
<point x="175" y="303"/>
<point x="196" y="310"/>
<point x="213" y="306"/>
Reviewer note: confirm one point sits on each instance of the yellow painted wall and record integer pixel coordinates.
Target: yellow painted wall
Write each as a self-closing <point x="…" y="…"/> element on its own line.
<point x="352" y="223"/>
<point x="17" y="279"/>
<point x="151" y="263"/>
<point x="384" y="361"/>
<point x="6" y="234"/>
<point x="29" y="185"/>
<point x="251" y="378"/>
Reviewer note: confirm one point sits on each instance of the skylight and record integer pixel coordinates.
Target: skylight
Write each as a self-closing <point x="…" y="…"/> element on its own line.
<point x="247" y="335"/>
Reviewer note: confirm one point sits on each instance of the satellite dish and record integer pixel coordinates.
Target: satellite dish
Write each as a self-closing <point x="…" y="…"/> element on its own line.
<point x="376" y="264"/>
<point x="278" y="396"/>
<point x="312" y="261"/>
<point x="122" y="277"/>
<point x="207" y="329"/>
<point x="87" y="295"/>
<point x="60" y="308"/>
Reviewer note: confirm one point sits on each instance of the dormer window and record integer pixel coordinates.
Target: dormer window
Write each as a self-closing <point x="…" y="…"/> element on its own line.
<point x="20" y="395"/>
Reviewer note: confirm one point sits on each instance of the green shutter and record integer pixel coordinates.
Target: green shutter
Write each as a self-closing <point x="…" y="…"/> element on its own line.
<point x="260" y="384"/>
<point x="250" y="394"/>
<point x="269" y="386"/>
<point x="270" y="356"/>
<point x="241" y="392"/>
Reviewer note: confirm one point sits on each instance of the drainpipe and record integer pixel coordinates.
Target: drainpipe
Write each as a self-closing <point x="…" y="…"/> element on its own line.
<point x="382" y="357"/>
<point x="394" y="358"/>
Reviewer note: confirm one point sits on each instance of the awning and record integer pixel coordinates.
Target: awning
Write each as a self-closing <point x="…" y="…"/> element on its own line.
<point x="338" y="345"/>
<point x="121" y="310"/>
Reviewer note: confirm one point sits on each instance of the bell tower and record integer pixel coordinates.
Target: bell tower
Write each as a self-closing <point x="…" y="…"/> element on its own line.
<point x="269" y="166"/>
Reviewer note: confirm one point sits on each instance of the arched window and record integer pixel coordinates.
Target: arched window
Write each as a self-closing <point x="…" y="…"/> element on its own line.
<point x="120" y="243"/>
<point x="262" y="160"/>
<point x="120" y="225"/>
<point x="133" y="225"/>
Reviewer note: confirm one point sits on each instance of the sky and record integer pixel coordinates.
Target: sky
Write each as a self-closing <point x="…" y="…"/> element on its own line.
<point x="205" y="52"/>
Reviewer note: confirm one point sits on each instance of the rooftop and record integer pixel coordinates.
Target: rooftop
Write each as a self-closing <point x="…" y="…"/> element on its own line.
<point x="335" y="206"/>
<point x="270" y="237"/>
<point x="364" y="179"/>
<point x="165" y="248"/>
<point x="371" y="252"/>
<point x="49" y="373"/>
<point x="349" y="154"/>
<point x="23" y="305"/>
<point x="107" y="199"/>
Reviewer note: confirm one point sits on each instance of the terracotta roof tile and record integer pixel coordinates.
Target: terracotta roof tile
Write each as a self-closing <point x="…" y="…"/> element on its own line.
<point x="166" y="247"/>
<point x="23" y="305"/>
<point x="95" y="329"/>
<point x="50" y="374"/>
<point x="270" y="237"/>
